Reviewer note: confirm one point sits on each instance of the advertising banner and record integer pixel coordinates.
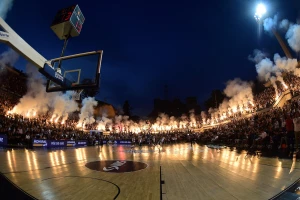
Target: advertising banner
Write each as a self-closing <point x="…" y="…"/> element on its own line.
<point x="3" y="140"/>
<point x="71" y="143"/>
<point x="81" y="143"/>
<point x="39" y="143"/>
<point x="121" y="142"/>
<point x="68" y="143"/>
<point x="56" y="143"/>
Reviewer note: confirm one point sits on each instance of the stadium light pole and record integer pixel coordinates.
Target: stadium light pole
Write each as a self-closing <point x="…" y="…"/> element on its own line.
<point x="260" y="12"/>
<point x="259" y="16"/>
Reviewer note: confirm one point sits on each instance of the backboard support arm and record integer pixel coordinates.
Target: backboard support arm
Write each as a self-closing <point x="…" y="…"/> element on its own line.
<point x="64" y="48"/>
<point x="12" y="39"/>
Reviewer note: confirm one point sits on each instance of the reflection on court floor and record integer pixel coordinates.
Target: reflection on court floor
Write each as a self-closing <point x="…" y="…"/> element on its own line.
<point x="196" y="172"/>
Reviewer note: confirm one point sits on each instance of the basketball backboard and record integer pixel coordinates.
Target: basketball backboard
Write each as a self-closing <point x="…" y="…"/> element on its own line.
<point x="74" y="72"/>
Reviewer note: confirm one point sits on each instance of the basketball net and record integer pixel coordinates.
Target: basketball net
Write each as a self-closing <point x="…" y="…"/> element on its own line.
<point x="76" y="94"/>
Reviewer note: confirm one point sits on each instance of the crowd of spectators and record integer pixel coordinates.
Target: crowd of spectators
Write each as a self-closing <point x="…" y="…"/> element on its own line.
<point x="293" y="82"/>
<point x="20" y="129"/>
<point x="13" y="81"/>
<point x="264" y="130"/>
<point x="265" y="98"/>
<point x="268" y="131"/>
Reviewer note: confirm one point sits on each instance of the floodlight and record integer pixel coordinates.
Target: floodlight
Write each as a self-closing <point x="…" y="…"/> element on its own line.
<point x="260" y="11"/>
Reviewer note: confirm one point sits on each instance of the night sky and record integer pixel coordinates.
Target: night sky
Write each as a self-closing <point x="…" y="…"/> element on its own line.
<point x="191" y="46"/>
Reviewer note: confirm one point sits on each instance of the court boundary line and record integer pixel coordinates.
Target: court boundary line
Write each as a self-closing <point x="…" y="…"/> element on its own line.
<point x="283" y="191"/>
<point x="118" y="188"/>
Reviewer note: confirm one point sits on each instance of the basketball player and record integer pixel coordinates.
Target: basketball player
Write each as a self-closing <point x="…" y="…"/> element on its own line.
<point x="132" y="144"/>
<point x="153" y="140"/>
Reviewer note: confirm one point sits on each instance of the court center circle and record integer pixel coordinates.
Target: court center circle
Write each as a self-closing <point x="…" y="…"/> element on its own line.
<point x="116" y="166"/>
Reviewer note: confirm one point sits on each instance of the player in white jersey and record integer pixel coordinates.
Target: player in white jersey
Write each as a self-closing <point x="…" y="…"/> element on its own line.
<point x="132" y="144"/>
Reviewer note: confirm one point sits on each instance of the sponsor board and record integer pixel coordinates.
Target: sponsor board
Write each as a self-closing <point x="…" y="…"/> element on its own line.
<point x="71" y="143"/>
<point x="39" y="143"/>
<point x="116" y="166"/>
<point x="58" y="143"/>
<point x="81" y="143"/>
<point x="59" y="76"/>
<point x="3" y="140"/>
<point x="123" y="142"/>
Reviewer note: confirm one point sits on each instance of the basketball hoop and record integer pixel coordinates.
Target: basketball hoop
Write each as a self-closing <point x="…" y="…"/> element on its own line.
<point x="77" y="94"/>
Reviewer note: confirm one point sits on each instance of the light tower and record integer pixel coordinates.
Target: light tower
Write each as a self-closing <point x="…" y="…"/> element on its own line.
<point x="259" y="17"/>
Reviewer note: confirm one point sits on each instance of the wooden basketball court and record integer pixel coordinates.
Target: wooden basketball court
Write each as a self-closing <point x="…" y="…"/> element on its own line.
<point x="189" y="173"/>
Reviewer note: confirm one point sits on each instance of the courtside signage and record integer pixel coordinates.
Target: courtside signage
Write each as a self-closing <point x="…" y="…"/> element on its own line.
<point x="124" y="142"/>
<point x="58" y="143"/>
<point x="39" y="143"/>
<point x="81" y="143"/>
<point x="71" y="143"/>
<point x="3" y="140"/>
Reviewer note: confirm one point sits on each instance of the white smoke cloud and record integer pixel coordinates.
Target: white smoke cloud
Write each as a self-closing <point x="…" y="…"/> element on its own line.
<point x="273" y="82"/>
<point x="9" y="57"/>
<point x="264" y="69"/>
<point x="270" y="23"/>
<point x="239" y="92"/>
<point x="193" y="122"/>
<point x="5" y="6"/>
<point x="36" y="98"/>
<point x="104" y="122"/>
<point x="86" y="115"/>
<point x="273" y="23"/>
<point x="224" y="106"/>
<point x="257" y="56"/>
<point x="293" y="37"/>
<point x="292" y="34"/>
<point x="234" y="87"/>
<point x="63" y="104"/>
<point x="286" y="64"/>
<point x="284" y="24"/>
<point x="203" y="115"/>
<point x="38" y="101"/>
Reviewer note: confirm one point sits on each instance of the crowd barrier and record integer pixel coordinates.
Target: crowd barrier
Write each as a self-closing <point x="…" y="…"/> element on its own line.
<point x="59" y="143"/>
<point x="72" y="143"/>
<point x="3" y="140"/>
<point x="121" y="142"/>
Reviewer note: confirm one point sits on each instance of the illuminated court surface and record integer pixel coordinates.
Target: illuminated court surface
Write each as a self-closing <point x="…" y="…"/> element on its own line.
<point x="189" y="173"/>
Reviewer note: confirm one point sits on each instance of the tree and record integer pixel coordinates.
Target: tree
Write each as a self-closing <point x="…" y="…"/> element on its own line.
<point x="127" y="108"/>
<point x="215" y="99"/>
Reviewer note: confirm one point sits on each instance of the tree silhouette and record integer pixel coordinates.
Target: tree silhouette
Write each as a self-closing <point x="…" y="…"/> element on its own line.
<point x="215" y="99"/>
<point x="127" y="108"/>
